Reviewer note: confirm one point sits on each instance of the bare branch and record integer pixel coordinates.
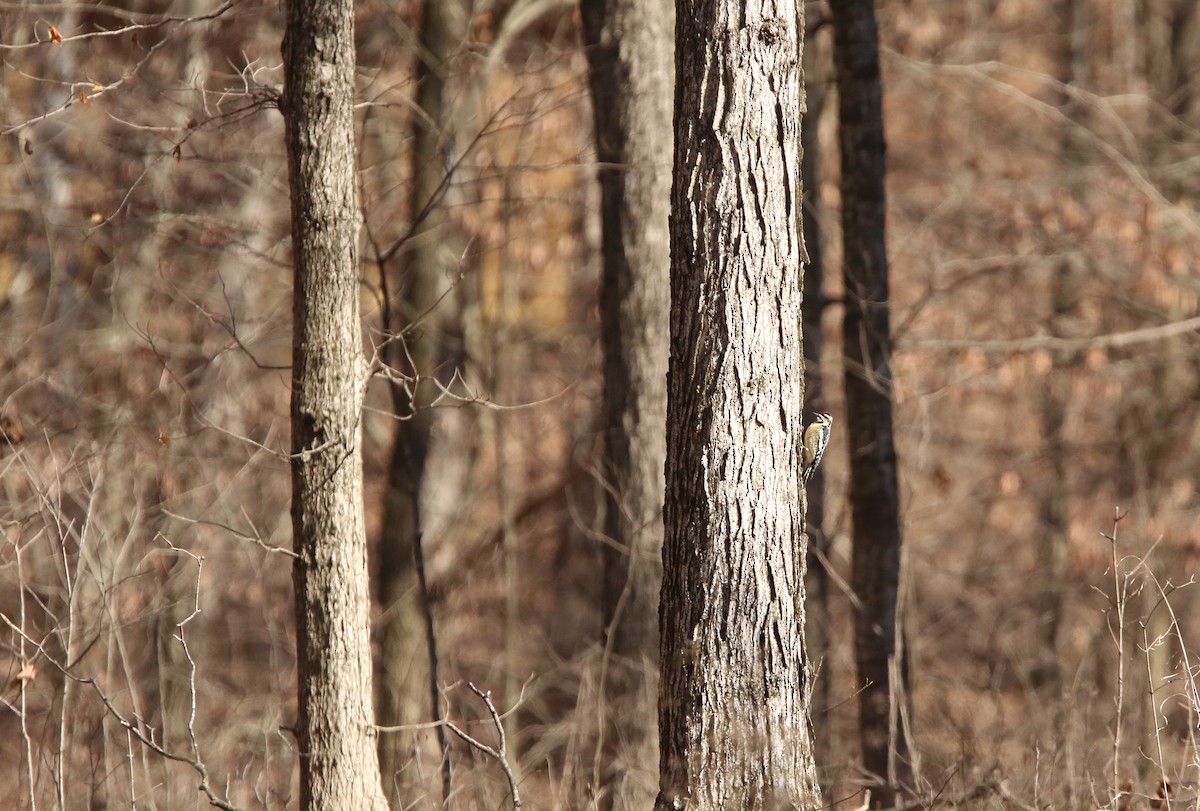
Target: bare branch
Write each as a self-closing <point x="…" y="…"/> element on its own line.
<point x="117" y="32"/>
<point x="500" y="752"/>
<point x="1115" y="340"/>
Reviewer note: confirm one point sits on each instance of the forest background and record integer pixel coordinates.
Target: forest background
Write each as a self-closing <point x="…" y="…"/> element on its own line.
<point x="1044" y="296"/>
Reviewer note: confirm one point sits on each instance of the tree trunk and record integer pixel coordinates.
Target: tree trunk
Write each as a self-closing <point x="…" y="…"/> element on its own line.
<point x="338" y="767"/>
<point x="817" y="580"/>
<point x="1054" y="403"/>
<point x="631" y="75"/>
<point x="1170" y="39"/>
<point x="733" y="704"/>
<point x="867" y="346"/>
<point x="406" y="694"/>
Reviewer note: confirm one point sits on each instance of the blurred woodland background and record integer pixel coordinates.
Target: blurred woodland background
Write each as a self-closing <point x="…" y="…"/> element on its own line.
<point x="1045" y="296"/>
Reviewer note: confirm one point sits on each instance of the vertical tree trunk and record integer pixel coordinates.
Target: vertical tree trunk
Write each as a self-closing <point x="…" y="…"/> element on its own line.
<point x="867" y="346"/>
<point x="1170" y="42"/>
<point x="733" y="704"/>
<point x="405" y="693"/>
<point x="1168" y="38"/>
<point x="1064" y="299"/>
<point x="817" y="580"/>
<point x="632" y="73"/>
<point x="1052" y="491"/>
<point x="338" y="766"/>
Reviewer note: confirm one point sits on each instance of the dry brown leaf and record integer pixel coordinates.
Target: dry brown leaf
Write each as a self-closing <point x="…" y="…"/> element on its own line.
<point x="11" y="429"/>
<point x="54" y="35"/>
<point x="26" y="674"/>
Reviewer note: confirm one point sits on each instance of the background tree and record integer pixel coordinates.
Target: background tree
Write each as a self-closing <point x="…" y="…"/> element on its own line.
<point x="414" y="273"/>
<point x="735" y="681"/>
<point x="335" y="728"/>
<point x="1055" y="405"/>
<point x="145" y="289"/>
<point x="817" y="581"/>
<point x="867" y="349"/>
<point x="631" y="77"/>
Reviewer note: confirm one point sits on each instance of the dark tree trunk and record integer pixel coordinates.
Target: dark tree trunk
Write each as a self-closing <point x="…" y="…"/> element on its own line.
<point x="733" y="707"/>
<point x="631" y="76"/>
<point x="1170" y="42"/>
<point x="335" y="733"/>
<point x="406" y="694"/>
<point x="1064" y="297"/>
<point x="817" y="580"/>
<point x="867" y="347"/>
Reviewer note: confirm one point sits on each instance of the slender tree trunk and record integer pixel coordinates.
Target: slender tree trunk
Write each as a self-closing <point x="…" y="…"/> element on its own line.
<point x="336" y="738"/>
<point x="1064" y="299"/>
<point x="1052" y="493"/>
<point x="632" y="75"/>
<point x="734" y="695"/>
<point x="867" y="347"/>
<point x="817" y="580"/>
<point x="1170" y="42"/>
<point x="406" y="694"/>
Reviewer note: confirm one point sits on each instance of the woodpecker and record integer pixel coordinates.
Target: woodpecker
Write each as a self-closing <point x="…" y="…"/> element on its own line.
<point x="816" y="437"/>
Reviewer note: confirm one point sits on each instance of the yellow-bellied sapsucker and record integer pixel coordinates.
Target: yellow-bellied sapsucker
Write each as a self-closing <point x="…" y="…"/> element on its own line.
<point x="816" y="437"/>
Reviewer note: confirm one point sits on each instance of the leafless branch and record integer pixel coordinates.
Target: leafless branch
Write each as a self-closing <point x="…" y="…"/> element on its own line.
<point x="254" y="536"/>
<point x="987" y="73"/>
<point x="500" y="752"/>
<point x="117" y="32"/>
<point x="133" y="727"/>
<point x="1115" y="340"/>
<point x="85" y="92"/>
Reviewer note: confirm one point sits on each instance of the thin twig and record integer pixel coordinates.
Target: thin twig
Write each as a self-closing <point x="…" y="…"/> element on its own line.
<point x="1120" y="600"/>
<point x="116" y="32"/>
<point x="431" y="643"/>
<point x="1112" y="340"/>
<point x="500" y="753"/>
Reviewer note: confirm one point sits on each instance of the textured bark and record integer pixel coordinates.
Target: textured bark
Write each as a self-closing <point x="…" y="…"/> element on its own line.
<point x="631" y="75"/>
<point x="867" y="346"/>
<point x="734" y="695"/>
<point x="404" y="691"/>
<point x="338" y="766"/>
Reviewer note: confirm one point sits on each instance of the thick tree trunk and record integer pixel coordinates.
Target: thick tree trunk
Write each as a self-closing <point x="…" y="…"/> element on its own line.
<point x="867" y="346"/>
<point x="632" y="72"/>
<point x="338" y="766"/>
<point x="405" y="693"/>
<point x="733" y="705"/>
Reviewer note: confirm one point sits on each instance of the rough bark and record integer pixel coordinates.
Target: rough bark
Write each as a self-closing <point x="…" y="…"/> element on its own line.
<point x="734" y="695"/>
<point x="405" y="695"/>
<point x="631" y="76"/>
<point x="334" y="730"/>
<point x="867" y="347"/>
